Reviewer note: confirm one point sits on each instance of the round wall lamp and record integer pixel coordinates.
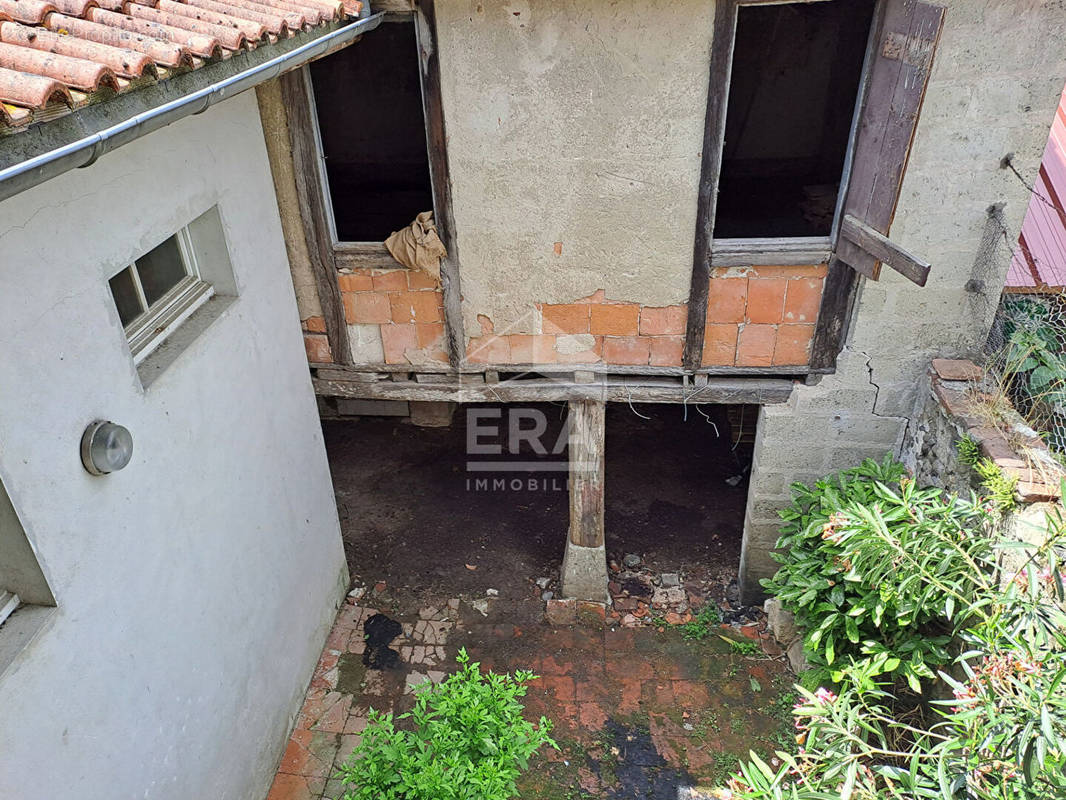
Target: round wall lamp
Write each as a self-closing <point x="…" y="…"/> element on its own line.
<point x="105" y="447"/>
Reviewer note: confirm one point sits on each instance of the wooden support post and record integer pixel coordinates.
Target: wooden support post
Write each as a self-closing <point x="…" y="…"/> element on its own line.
<point x="585" y="561"/>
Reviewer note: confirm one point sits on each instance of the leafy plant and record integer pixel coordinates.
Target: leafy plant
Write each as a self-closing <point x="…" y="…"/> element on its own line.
<point x="851" y="549"/>
<point x="1002" y="489"/>
<point x="968" y="449"/>
<point x="741" y="648"/>
<point x="1002" y="736"/>
<point x="469" y="742"/>
<point x="702" y="625"/>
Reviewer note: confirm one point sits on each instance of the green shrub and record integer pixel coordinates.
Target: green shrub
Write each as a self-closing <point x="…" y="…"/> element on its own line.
<point x="1002" y="736"/>
<point x="850" y="552"/>
<point x="470" y="742"/>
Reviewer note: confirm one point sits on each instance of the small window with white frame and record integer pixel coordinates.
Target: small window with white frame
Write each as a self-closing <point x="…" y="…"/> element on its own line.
<point x="156" y="292"/>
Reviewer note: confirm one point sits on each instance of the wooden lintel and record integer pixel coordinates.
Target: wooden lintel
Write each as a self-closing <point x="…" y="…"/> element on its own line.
<point x="884" y="250"/>
<point x="757" y="391"/>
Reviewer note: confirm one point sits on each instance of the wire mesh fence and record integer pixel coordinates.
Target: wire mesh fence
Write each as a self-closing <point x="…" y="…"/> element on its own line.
<point x="1026" y="359"/>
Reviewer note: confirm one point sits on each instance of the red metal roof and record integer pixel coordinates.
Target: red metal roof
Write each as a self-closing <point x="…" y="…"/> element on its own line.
<point x="1039" y="263"/>
<point x="63" y="51"/>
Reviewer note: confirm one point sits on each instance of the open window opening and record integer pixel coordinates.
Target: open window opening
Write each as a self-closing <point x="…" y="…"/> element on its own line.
<point x="25" y="597"/>
<point x="372" y="129"/>
<point x="795" y="79"/>
<point x="676" y="487"/>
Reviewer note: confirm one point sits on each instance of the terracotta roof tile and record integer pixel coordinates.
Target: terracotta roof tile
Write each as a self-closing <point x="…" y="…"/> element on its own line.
<point x="161" y="52"/>
<point x="33" y="91"/>
<point x="57" y="53"/>
<point x="274" y="23"/>
<point x="76" y="73"/>
<point x="252" y="31"/>
<point x="128" y="63"/>
<point x="76" y="8"/>
<point x="230" y="38"/>
<point x="32" y="12"/>
<point x="206" y="46"/>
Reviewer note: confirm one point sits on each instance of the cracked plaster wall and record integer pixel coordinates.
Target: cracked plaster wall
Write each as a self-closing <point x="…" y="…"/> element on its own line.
<point x="578" y="122"/>
<point x="994" y="88"/>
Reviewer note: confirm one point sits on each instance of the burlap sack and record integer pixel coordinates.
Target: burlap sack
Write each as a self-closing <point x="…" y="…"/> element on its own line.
<point x="418" y="246"/>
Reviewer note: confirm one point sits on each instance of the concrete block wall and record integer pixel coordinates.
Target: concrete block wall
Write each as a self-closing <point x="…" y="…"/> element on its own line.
<point x="822" y="428"/>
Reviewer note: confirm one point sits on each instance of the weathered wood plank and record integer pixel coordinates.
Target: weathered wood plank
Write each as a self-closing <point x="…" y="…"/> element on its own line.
<point x="725" y="25"/>
<point x="885" y="250"/>
<point x="718" y="390"/>
<point x="364" y="255"/>
<point x="906" y="42"/>
<point x="296" y="92"/>
<point x="784" y="252"/>
<point x="440" y="178"/>
<point x="585" y="443"/>
<point x="834" y="315"/>
<point x="393" y="6"/>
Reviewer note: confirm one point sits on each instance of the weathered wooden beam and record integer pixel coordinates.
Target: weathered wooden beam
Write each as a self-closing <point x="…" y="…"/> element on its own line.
<point x="296" y="92"/>
<point x="834" y="316"/>
<point x="885" y="250"/>
<point x="584" y="571"/>
<point x="717" y="390"/>
<point x="440" y="178"/>
<point x="898" y="71"/>
<point x="586" y="445"/>
<point x="364" y="255"/>
<point x="725" y="25"/>
<point x="786" y="252"/>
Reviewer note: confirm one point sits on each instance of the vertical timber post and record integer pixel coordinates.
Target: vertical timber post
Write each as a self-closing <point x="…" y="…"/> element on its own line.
<point x="585" y="559"/>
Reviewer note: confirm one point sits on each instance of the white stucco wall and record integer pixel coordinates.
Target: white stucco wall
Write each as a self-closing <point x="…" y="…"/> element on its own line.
<point x="580" y="122"/>
<point x="195" y="587"/>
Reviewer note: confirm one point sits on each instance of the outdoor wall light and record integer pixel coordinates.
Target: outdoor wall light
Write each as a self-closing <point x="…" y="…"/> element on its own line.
<point x="105" y="447"/>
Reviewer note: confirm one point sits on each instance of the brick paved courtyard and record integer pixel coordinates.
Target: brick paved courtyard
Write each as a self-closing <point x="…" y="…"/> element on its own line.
<point x="638" y="712"/>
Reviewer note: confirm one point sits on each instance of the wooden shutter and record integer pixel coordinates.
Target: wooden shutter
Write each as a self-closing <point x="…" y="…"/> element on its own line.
<point x="899" y="71"/>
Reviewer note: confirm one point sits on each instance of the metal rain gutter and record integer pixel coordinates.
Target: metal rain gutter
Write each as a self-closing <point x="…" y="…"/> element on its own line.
<point x="84" y="152"/>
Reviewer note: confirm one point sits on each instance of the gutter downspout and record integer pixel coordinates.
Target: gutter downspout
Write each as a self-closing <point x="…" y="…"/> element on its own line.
<point x="84" y="152"/>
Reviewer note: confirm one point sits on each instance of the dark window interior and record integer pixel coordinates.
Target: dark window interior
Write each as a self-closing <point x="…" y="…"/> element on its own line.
<point x="795" y="77"/>
<point x="369" y="105"/>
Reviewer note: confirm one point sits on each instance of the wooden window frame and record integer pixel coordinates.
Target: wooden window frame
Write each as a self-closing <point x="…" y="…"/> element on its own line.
<point x="709" y="252"/>
<point x="148" y="329"/>
<point x="328" y="253"/>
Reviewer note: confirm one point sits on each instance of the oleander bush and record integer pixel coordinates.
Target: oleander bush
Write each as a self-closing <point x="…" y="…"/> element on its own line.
<point x="469" y="741"/>
<point x="941" y="672"/>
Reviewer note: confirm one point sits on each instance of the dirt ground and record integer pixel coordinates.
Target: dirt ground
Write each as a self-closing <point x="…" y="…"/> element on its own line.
<point x="411" y="515"/>
<point x="638" y="711"/>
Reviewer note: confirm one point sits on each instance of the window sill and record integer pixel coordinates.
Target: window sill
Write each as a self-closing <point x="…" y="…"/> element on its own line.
<point x="364" y="255"/>
<point x="170" y="349"/>
<point x="19" y="630"/>
<point x="784" y="251"/>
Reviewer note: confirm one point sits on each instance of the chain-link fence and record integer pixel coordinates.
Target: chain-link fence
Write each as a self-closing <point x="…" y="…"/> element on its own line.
<point x="1026" y="354"/>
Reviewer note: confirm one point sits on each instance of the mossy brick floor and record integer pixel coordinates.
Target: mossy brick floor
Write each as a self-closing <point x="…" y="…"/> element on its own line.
<point x="637" y="712"/>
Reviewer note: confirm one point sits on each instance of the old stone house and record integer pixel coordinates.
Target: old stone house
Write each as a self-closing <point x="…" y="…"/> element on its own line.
<point x="672" y="201"/>
<point x="780" y="204"/>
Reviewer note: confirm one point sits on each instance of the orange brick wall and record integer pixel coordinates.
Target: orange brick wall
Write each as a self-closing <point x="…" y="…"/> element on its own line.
<point x="408" y="307"/>
<point x="756" y="317"/>
<point x="592" y="330"/>
<point x="762" y="316"/>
